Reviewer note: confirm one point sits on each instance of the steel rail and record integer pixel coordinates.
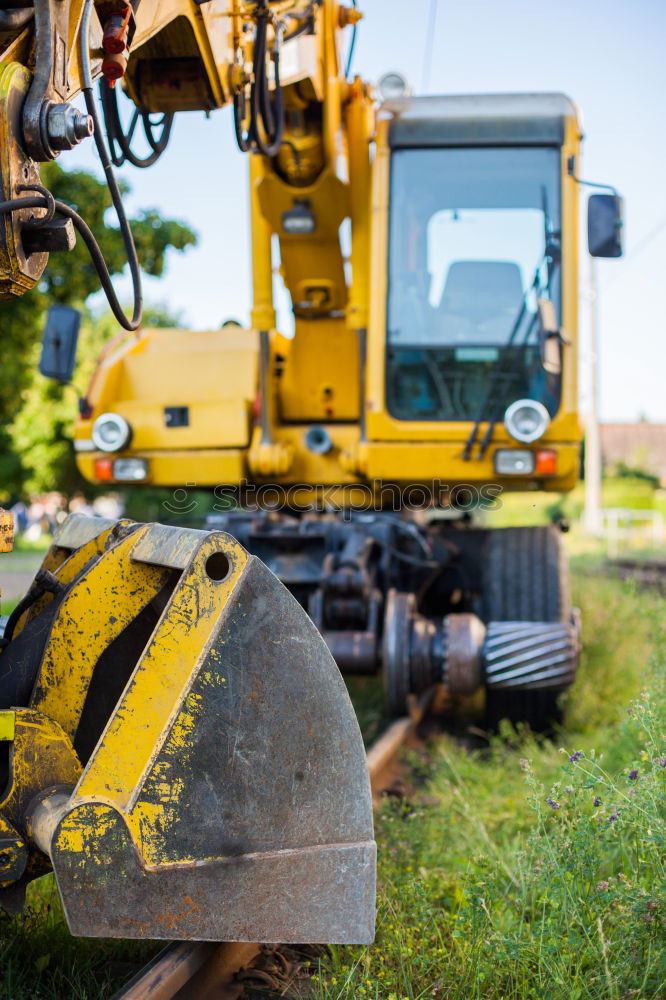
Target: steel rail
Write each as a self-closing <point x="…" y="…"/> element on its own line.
<point x="646" y="572"/>
<point x="203" y="970"/>
<point x="383" y="752"/>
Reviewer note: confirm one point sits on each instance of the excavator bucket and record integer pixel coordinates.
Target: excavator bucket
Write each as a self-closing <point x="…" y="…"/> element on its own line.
<point x="188" y="758"/>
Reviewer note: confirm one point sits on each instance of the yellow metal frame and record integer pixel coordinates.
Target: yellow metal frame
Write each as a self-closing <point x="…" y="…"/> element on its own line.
<point x="333" y="370"/>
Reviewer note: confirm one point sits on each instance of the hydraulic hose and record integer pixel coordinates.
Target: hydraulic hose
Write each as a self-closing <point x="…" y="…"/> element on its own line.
<point x="266" y="126"/>
<point x="117" y="136"/>
<point x="116" y="197"/>
<point x="96" y="255"/>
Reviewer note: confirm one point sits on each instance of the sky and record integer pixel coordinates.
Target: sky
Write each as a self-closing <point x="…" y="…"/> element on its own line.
<point x="608" y="55"/>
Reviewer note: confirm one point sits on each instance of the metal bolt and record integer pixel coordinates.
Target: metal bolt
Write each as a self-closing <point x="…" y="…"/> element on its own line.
<point x="66" y="126"/>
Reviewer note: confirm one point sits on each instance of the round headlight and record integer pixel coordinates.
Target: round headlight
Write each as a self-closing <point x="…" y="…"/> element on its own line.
<point x="526" y="420"/>
<point x="111" y="432"/>
<point x="392" y="86"/>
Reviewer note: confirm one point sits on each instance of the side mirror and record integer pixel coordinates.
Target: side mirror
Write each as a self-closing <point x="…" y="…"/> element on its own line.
<point x="605" y="225"/>
<point x="59" y="343"/>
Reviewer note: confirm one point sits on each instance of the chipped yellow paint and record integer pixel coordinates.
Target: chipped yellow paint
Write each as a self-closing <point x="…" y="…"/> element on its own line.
<point x="7" y="724"/>
<point x="6" y="531"/>
<point x="152" y="703"/>
<point x="13" y="846"/>
<point x="42" y="755"/>
<point x="64" y="565"/>
<point x="159" y="808"/>
<point x="75" y="837"/>
<point x="106" y="598"/>
<point x="72" y="837"/>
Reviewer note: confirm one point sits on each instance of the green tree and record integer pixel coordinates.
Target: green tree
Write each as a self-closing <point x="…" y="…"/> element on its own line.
<point x="43" y="428"/>
<point x="36" y="415"/>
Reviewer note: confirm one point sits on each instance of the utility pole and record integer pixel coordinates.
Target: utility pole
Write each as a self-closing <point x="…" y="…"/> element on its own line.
<point x="593" y="519"/>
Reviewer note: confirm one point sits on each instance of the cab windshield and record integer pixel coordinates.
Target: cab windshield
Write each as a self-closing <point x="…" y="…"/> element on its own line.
<point x="472" y="247"/>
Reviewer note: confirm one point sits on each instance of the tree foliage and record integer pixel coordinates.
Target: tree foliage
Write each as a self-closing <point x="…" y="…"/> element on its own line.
<point x="36" y="415"/>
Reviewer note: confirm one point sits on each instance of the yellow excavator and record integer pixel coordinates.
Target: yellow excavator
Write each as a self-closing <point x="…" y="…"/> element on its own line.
<point x="198" y="735"/>
<point x="429" y="246"/>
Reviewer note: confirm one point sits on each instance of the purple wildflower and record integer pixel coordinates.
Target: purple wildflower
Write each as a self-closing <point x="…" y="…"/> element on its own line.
<point x="576" y="755"/>
<point x="633" y="775"/>
<point x="597" y="801"/>
<point x="612" y="817"/>
<point x="660" y="761"/>
<point x="553" y="804"/>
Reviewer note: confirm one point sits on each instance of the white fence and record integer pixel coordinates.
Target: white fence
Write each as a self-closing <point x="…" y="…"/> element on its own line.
<point x="625" y="529"/>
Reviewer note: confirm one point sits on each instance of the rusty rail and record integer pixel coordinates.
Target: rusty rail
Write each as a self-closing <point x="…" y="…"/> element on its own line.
<point x="382" y="754"/>
<point x="191" y="970"/>
<point x="646" y="572"/>
<point x="203" y="970"/>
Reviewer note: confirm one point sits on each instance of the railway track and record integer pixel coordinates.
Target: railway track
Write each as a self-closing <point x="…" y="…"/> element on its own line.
<point x="203" y="970"/>
<point x="646" y="572"/>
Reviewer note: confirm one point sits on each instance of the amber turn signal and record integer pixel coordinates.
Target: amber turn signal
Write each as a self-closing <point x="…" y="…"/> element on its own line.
<point x="546" y="463"/>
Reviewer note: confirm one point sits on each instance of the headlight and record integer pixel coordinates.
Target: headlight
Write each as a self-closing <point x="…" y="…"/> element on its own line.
<point x="130" y="470"/>
<point x="514" y="462"/>
<point x="393" y="85"/>
<point x="111" y="432"/>
<point x="526" y="420"/>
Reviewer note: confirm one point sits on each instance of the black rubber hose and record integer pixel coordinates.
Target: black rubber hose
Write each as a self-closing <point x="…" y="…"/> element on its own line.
<point x="117" y="135"/>
<point x="96" y="255"/>
<point x="266" y="126"/>
<point x="158" y="145"/>
<point x="265" y="107"/>
<point x="244" y="141"/>
<point x="274" y="108"/>
<point x="257" y="91"/>
<point x="116" y="198"/>
<point x="271" y="111"/>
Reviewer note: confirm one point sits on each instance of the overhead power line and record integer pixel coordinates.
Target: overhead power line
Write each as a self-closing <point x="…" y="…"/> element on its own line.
<point x="636" y="250"/>
<point x="429" y="46"/>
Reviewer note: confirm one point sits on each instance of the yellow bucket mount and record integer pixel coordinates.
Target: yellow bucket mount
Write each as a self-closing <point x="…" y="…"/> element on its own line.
<point x="188" y="759"/>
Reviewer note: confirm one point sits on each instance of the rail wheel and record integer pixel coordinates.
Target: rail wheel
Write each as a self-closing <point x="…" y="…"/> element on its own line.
<point x="400" y="608"/>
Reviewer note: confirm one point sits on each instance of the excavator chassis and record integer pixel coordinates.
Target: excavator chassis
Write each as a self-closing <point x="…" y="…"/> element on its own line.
<point x="179" y="746"/>
<point x="428" y="603"/>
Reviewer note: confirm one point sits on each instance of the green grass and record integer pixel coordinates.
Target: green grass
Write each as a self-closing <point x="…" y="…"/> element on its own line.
<point x="40" y="960"/>
<point x="488" y="891"/>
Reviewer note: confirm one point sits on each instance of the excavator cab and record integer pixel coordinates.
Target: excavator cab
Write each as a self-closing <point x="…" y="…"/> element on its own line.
<point x="473" y="338"/>
<point x="468" y="261"/>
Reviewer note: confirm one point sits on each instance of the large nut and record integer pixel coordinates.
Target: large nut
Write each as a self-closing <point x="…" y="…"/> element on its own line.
<point x="66" y="126"/>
